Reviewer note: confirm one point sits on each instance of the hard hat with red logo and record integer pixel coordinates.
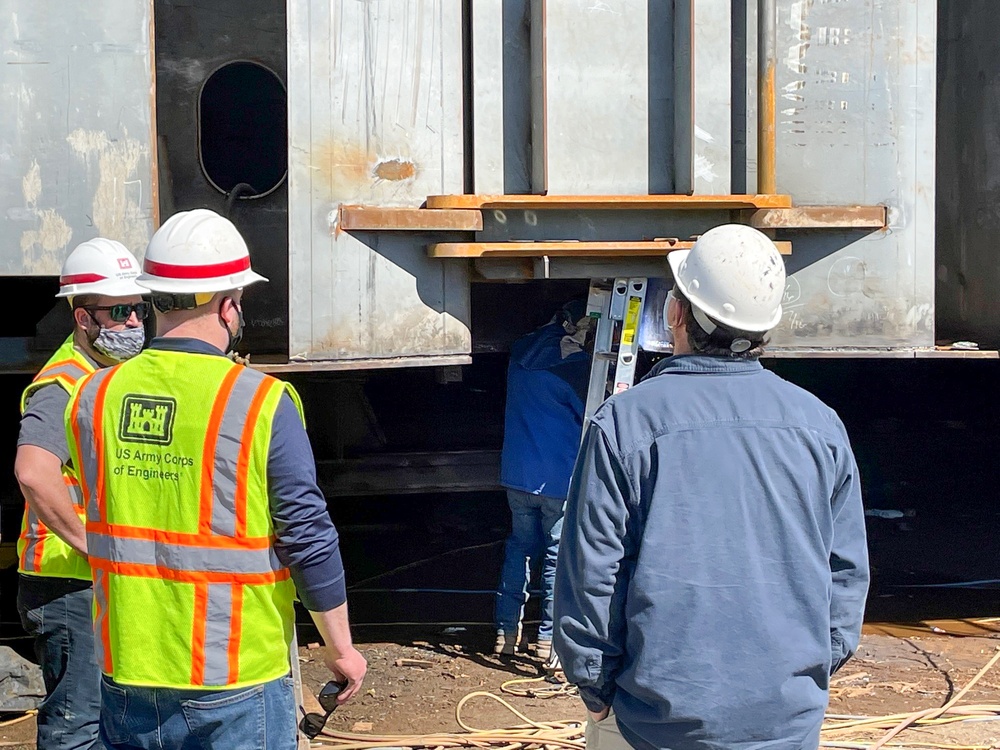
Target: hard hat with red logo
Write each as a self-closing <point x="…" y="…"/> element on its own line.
<point x="99" y="266"/>
<point x="197" y="251"/>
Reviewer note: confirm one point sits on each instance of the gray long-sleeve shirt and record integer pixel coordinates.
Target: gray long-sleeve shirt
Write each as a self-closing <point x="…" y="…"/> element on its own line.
<point x="713" y="567"/>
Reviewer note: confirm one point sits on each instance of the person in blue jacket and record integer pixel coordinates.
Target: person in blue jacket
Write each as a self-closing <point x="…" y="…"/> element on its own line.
<point x="713" y="568"/>
<point x="543" y="422"/>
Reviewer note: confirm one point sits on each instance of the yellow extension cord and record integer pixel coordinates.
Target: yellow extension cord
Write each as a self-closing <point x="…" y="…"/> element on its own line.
<point x="570" y="734"/>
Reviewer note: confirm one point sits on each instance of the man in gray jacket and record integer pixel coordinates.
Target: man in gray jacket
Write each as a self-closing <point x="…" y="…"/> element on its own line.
<point x="713" y="569"/>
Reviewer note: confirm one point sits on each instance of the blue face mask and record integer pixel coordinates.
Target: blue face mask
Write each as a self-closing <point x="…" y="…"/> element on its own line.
<point x="120" y="345"/>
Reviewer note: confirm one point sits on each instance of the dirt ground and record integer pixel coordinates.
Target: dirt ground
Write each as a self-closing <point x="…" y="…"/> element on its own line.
<point x="417" y="677"/>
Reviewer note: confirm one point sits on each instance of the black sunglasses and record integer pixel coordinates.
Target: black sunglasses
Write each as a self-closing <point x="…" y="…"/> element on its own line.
<point x="122" y="311"/>
<point x="312" y="724"/>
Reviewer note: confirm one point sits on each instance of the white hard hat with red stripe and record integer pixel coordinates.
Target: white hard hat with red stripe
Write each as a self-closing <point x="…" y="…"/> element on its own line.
<point x="99" y="266"/>
<point x="197" y="251"/>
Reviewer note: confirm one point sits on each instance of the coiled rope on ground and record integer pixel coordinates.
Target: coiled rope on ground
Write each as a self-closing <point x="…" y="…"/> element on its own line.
<point x="839" y="732"/>
<point x="891" y="726"/>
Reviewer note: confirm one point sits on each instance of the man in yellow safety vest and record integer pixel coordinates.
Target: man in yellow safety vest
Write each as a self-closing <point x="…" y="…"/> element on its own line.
<point x="203" y="517"/>
<point x="55" y="593"/>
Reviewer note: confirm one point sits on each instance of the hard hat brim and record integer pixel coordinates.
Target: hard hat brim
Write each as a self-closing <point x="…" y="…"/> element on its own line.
<point x="119" y="288"/>
<point x="153" y="283"/>
<point x="675" y="259"/>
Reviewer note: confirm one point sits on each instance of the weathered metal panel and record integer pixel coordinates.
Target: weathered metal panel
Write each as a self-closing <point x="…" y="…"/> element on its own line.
<point x="856" y="126"/>
<point x="487" y="93"/>
<point x="76" y="135"/>
<point x="597" y="88"/>
<point x="375" y="118"/>
<point x="704" y="85"/>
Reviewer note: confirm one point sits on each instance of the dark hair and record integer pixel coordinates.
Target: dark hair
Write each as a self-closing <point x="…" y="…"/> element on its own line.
<point x="84" y="300"/>
<point x="719" y="342"/>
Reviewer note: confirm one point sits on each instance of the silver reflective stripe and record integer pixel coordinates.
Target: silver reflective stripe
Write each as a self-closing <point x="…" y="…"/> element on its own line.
<point x="31" y="539"/>
<point x="182" y="557"/>
<point x="88" y="452"/>
<point x="218" y="626"/>
<point x="100" y="583"/>
<point x="72" y="369"/>
<point x="227" y="451"/>
<point x="76" y="495"/>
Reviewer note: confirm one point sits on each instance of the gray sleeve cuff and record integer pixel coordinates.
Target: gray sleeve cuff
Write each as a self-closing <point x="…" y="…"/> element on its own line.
<point x="321" y="586"/>
<point x="594" y="700"/>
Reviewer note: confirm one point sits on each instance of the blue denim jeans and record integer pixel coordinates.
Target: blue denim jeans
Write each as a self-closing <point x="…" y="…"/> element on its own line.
<point x="536" y="523"/>
<point x="141" y="718"/>
<point x="57" y="613"/>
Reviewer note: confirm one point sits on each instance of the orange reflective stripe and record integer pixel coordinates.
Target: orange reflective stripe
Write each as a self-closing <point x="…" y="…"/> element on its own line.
<point x="179" y="537"/>
<point x="208" y="456"/>
<point x="188" y="576"/>
<point x="39" y="546"/>
<point x="235" y="633"/>
<point x="198" y="634"/>
<point x="243" y="463"/>
<point x="103" y="623"/>
<point x="75" y="425"/>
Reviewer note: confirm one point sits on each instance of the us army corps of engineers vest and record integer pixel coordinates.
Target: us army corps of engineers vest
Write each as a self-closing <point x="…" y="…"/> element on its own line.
<point x="172" y="450"/>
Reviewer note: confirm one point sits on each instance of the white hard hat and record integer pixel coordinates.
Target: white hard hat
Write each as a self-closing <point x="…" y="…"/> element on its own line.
<point x="197" y="251"/>
<point x="734" y="275"/>
<point x="99" y="266"/>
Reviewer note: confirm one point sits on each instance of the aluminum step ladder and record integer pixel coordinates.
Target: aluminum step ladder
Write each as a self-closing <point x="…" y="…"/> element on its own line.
<point x="617" y="304"/>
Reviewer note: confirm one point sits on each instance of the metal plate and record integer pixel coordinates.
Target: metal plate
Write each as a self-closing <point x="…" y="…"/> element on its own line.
<point x="76" y="134"/>
<point x="375" y="118"/>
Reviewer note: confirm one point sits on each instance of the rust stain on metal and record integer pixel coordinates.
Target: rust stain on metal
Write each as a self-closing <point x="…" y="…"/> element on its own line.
<point x="345" y="165"/>
<point x="609" y="202"/>
<point x="374" y="218"/>
<point x="568" y="249"/>
<point x="154" y="164"/>
<point x="819" y="217"/>
<point x="395" y="170"/>
<point x="766" y="150"/>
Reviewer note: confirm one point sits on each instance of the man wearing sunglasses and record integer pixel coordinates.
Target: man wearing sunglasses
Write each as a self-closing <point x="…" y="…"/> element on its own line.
<point x="55" y="593"/>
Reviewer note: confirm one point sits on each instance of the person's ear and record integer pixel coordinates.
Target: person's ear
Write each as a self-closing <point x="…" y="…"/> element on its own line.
<point x="81" y="318"/>
<point x="675" y="313"/>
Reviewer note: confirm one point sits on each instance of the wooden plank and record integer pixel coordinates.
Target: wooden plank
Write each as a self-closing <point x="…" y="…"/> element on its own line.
<point x="819" y="217"/>
<point x="572" y="249"/>
<point x="374" y="218"/>
<point x="620" y="202"/>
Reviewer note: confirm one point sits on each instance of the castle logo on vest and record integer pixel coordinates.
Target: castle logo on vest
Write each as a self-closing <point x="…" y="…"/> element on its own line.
<point x="147" y="419"/>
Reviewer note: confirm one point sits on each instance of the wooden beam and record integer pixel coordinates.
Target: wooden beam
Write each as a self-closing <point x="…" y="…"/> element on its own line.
<point x="620" y="202"/>
<point x="569" y="249"/>
<point x="818" y="217"/>
<point x="375" y="218"/>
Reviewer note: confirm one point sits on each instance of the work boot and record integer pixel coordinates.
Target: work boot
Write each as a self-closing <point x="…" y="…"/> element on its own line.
<point x="543" y="649"/>
<point x="506" y="643"/>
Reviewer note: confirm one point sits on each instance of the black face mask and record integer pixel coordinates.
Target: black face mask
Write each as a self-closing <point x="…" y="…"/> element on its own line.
<point x="235" y="338"/>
